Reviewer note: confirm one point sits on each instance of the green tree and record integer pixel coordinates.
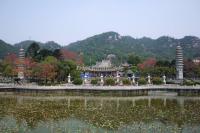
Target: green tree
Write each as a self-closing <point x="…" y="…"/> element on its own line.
<point x="8" y="71"/>
<point x="57" y="53"/>
<point x="163" y="63"/>
<point x="50" y="60"/>
<point x="65" y="68"/>
<point x="133" y="59"/>
<point x="134" y="69"/>
<point x="1" y="67"/>
<point x="43" y="53"/>
<point x="33" y="51"/>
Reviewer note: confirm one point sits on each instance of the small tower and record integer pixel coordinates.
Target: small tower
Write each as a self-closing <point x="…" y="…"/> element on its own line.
<point x="179" y="63"/>
<point x="21" y="64"/>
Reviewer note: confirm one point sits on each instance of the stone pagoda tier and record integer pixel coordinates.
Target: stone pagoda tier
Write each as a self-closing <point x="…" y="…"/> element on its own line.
<point x="179" y="63"/>
<point x="21" y="64"/>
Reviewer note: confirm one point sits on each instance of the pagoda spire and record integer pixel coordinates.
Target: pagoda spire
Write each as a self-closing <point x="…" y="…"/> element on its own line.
<point x="21" y="66"/>
<point x="179" y="62"/>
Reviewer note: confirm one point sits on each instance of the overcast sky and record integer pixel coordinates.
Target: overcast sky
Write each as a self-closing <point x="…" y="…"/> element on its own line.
<point x="66" y="21"/>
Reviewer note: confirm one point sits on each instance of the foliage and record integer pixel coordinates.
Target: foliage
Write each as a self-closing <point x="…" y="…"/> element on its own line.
<point x="50" y="45"/>
<point x="133" y="59"/>
<point x="9" y="68"/>
<point x="43" y="53"/>
<point x="33" y="51"/>
<point x="159" y="71"/>
<point x="163" y="63"/>
<point x="191" y="70"/>
<point x="94" y="81"/>
<point x="157" y="81"/>
<point x="188" y="82"/>
<point x="142" y="81"/>
<point x="57" y="54"/>
<point x="134" y="69"/>
<point x="69" y="55"/>
<point x="109" y="81"/>
<point x="78" y="81"/>
<point x="126" y="82"/>
<point x="5" y="49"/>
<point x="149" y="63"/>
<point x="96" y="48"/>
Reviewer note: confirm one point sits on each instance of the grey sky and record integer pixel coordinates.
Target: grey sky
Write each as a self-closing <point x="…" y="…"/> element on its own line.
<point x="66" y="21"/>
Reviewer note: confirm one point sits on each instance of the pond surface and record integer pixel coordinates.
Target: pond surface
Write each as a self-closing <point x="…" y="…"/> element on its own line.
<point x="99" y="114"/>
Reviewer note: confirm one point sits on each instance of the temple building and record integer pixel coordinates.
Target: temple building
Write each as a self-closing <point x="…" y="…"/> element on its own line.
<point x="21" y="64"/>
<point x="179" y="63"/>
<point x="105" y="68"/>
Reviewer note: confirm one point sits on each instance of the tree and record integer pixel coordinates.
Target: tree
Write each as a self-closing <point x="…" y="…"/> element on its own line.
<point x="51" y="60"/>
<point x="9" y="67"/>
<point x="43" y="53"/>
<point x="149" y="63"/>
<point x="57" y="53"/>
<point x="8" y="71"/>
<point x="63" y="70"/>
<point x="33" y="51"/>
<point x="163" y="63"/>
<point x="133" y="59"/>
<point x="1" y="66"/>
<point x="190" y="69"/>
<point x="48" y="72"/>
<point x="49" y="68"/>
<point x="69" y="55"/>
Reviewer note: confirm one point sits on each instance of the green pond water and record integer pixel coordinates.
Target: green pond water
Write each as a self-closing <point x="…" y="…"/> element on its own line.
<point x="99" y="114"/>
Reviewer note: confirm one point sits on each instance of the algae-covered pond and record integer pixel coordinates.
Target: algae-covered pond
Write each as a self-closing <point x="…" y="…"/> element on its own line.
<point x="98" y="114"/>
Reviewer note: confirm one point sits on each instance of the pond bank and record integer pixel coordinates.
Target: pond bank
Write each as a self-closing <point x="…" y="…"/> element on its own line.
<point x="137" y="90"/>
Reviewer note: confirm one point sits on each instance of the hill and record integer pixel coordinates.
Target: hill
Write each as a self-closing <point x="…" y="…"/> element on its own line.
<point x="50" y="45"/>
<point x="99" y="46"/>
<point x="6" y="48"/>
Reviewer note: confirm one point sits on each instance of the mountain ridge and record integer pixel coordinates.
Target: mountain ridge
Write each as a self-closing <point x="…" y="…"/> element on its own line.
<point x="97" y="47"/>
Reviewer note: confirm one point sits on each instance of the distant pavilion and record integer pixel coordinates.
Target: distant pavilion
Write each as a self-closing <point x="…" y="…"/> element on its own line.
<point x="104" y="68"/>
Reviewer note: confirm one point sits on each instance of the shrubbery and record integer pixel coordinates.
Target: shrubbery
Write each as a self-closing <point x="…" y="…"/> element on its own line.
<point x="126" y="82"/>
<point x="78" y="81"/>
<point x="109" y="81"/>
<point x="188" y="82"/>
<point x="157" y="81"/>
<point x="94" y="81"/>
<point x="197" y="83"/>
<point x="142" y="81"/>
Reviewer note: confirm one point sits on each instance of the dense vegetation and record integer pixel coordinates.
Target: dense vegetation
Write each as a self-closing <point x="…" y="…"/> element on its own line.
<point x="41" y="65"/>
<point x="99" y="46"/>
<point x="5" y="49"/>
<point x="47" y="64"/>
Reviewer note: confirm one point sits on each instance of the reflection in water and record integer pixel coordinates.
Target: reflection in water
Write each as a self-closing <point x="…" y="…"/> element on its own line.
<point x="99" y="114"/>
